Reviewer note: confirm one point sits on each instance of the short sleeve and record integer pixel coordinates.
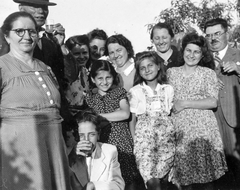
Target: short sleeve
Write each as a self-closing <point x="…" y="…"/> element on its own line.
<point x="122" y="93"/>
<point x="133" y="100"/>
<point x="169" y="96"/>
<point x="169" y="73"/>
<point x="211" y="84"/>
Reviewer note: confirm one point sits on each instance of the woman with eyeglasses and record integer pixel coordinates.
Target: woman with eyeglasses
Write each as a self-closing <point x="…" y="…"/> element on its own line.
<point x="33" y="154"/>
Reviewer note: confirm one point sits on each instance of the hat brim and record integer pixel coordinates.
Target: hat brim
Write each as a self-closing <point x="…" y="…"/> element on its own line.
<point x="35" y="2"/>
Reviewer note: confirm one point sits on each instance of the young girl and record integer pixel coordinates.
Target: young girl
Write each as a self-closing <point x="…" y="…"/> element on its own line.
<point x="150" y="104"/>
<point x="111" y="102"/>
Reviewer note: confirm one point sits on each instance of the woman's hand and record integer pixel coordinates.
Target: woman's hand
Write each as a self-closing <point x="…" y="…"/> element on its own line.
<point x="178" y="106"/>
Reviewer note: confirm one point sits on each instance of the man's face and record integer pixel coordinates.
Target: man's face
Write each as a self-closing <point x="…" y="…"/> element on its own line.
<point x="217" y="37"/>
<point x="39" y="12"/>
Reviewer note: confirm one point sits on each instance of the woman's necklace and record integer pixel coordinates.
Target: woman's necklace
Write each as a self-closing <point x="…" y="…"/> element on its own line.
<point x="165" y="56"/>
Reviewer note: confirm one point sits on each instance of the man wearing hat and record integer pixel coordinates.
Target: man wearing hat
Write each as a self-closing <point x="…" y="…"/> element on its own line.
<point x="50" y="48"/>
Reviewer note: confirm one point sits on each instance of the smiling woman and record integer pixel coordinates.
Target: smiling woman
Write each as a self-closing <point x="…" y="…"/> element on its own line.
<point x="162" y="36"/>
<point x="195" y="96"/>
<point x="32" y="148"/>
<point x="121" y="53"/>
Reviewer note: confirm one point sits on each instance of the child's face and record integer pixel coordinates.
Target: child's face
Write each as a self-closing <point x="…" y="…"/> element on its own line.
<point x="103" y="81"/>
<point x="87" y="132"/>
<point x="148" y="70"/>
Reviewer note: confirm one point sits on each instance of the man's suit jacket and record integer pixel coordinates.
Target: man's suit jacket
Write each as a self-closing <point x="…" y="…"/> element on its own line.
<point x="105" y="173"/>
<point x="51" y="55"/>
<point x="229" y="96"/>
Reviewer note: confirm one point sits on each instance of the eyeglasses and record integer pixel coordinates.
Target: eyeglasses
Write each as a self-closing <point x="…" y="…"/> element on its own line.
<point x="21" y="32"/>
<point x="215" y="35"/>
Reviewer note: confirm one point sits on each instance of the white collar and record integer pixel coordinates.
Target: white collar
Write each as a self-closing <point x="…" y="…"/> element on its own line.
<point x="129" y="69"/>
<point x="148" y="88"/>
<point x="222" y="52"/>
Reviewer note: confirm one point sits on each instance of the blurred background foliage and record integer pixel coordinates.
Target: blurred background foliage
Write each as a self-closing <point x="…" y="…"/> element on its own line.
<point x="186" y="15"/>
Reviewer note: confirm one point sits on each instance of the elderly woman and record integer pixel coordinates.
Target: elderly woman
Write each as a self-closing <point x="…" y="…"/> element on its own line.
<point x="33" y="154"/>
<point x="162" y="36"/>
<point x="120" y="51"/>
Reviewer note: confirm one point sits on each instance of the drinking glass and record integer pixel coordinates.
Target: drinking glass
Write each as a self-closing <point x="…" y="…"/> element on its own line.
<point x="49" y="24"/>
<point x="88" y="152"/>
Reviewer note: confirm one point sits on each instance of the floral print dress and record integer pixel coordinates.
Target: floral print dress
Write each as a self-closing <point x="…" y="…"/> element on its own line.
<point x="199" y="150"/>
<point x="117" y="133"/>
<point x="154" y="141"/>
<point x="76" y="91"/>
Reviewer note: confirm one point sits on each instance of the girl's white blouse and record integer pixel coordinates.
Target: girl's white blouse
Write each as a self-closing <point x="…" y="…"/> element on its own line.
<point x="137" y="98"/>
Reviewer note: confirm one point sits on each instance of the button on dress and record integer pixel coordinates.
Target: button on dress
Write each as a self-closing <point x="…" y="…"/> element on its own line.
<point x="33" y="154"/>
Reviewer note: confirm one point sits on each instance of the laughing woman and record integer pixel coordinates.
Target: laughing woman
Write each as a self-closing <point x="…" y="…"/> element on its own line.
<point x="162" y="36"/>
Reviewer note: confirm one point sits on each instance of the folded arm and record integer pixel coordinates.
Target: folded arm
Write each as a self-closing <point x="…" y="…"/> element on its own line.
<point x="204" y="104"/>
<point x="120" y="114"/>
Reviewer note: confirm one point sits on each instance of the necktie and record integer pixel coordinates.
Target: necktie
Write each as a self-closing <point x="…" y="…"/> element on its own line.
<point x="217" y="60"/>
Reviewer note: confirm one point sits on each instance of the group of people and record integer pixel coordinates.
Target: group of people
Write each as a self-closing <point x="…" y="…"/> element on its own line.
<point x="88" y="113"/>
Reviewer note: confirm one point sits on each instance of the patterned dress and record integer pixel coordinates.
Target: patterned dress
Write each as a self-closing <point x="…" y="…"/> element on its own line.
<point x="154" y="141"/>
<point x="33" y="153"/>
<point x="117" y="133"/>
<point x="199" y="149"/>
<point x="76" y="91"/>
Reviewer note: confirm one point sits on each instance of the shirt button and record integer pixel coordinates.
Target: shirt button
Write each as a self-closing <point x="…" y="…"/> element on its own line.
<point x="51" y="101"/>
<point x="40" y="79"/>
<point x="44" y="86"/>
<point x="36" y="73"/>
<point x="48" y="93"/>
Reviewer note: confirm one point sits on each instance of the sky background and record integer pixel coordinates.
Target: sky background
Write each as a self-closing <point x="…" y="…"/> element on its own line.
<point x="127" y="17"/>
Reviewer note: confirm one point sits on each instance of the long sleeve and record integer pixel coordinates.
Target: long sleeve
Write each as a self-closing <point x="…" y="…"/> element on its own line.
<point x="114" y="180"/>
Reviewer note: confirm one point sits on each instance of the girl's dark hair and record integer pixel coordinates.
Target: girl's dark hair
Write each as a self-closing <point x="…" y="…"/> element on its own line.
<point x="8" y="22"/>
<point x="153" y="56"/>
<point x="79" y="40"/>
<point x="161" y="26"/>
<point x="193" y="38"/>
<point x="121" y="40"/>
<point x="103" y="65"/>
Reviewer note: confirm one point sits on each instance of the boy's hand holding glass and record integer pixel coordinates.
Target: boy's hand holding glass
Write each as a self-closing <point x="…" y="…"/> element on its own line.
<point x="84" y="148"/>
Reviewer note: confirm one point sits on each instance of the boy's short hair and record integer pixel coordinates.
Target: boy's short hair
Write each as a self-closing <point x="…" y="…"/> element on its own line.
<point x="91" y="116"/>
